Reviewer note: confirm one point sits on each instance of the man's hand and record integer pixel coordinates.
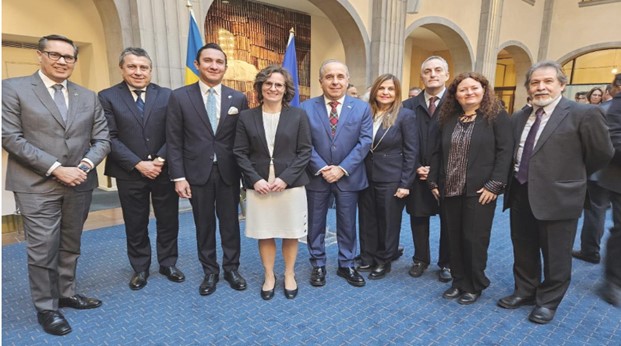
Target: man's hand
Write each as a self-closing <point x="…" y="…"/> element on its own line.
<point x="70" y="176"/>
<point x="332" y="174"/>
<point x="182" y="188"/>
<point x="150" y="169"/>
<point x="423" y="172"/>
<point x="278" y="185"/>
<point x="402" y="193"/>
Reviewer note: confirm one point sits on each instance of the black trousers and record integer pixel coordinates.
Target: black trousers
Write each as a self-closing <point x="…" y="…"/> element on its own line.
<point x="420" y="236"/>
<point x="136" y="197"/>
<point x="594" y="220"/>
<point x="216" y="198"/>
<point x="613" y="246"/>
<point x="469" y="225"/>
<point x="380" y="214"/>
<point x="533" y="239"/>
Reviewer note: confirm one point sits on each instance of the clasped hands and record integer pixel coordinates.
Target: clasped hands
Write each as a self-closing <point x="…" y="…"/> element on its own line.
<point x="70" y="176"/>
<point x="332" y="173"/>
<point x="150" y="169"/>
<point x="263" y="187"/>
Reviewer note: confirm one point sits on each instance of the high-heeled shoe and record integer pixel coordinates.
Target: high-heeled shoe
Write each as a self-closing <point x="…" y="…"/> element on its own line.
<point x="269" y="294"/>
<point x="290" y="294"/>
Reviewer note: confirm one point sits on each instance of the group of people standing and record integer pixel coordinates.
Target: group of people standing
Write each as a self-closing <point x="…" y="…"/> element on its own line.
<point x="449" y="151"/>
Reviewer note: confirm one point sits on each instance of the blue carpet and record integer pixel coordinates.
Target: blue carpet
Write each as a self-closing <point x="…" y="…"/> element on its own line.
<point x="397" y="310"/>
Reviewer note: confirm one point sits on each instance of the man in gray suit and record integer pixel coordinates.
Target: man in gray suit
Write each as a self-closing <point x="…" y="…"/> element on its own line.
<point x="55" y="133"/>
<point x="558" y="143"/>
<point x="610" y="179"/>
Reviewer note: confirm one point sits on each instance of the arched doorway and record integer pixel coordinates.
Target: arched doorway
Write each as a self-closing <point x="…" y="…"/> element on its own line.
<point x="512" y="63"/>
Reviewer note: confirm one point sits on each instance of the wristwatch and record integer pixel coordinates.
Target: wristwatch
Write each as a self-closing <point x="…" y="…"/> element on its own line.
<point x="84" y="167"/>
<point x="160" y="159"/>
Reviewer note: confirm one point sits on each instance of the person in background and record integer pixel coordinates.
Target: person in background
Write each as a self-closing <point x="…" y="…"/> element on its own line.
<point x="390" y="171"/>
<point x="273" y="147"/>
<point x="200" y="133"/>
<point x="469" y="169"/>
<point x="558" y="144"/>
<point x="55" y="133"/>
<point x="607" y="98"/>
<point x="581" y="97"/>
<point x="594" y="96"/>
<point x="421" y="204"/>
<point x="352" y="91"/>
<point x="136" y="113"/>
<point x="413" y="92"/>
<point x="341" y="131"/>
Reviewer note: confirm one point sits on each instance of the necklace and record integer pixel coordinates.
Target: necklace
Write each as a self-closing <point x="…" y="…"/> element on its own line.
<point x="466" y="118"/>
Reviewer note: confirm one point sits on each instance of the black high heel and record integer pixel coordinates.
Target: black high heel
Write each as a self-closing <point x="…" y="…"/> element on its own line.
<point x="269" y="294"/>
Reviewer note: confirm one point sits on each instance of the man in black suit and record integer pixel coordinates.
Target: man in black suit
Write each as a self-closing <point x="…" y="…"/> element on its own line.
<point x="200" y="134"/>
<point x="136" y="114"/>
<point x="557" y="145"/>
<point x="420" y="203"/>
<point x="610" y="179"/>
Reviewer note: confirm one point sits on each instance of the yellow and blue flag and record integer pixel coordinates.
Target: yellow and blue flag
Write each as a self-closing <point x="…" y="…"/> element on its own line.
<point x="195" y="42"/>
<point x="290" y="62"/>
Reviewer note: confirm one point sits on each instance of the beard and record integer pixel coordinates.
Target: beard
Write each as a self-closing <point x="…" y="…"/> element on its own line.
<point x="542" y="101"/>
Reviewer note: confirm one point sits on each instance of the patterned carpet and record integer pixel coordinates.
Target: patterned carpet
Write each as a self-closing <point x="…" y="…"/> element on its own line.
<point x="397" y="310"/>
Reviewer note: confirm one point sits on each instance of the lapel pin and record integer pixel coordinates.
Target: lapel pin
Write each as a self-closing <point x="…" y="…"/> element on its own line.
<point x="349" y="107"/>
<point x="230" y="96"/>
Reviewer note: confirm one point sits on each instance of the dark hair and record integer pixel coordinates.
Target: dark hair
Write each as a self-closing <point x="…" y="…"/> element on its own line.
<point x="594" y="89"/>
<point x="580" y="93"/>
<point x="393" y="111"/>
<point x="133" y="51"/>
<point x="43" y="43"/>
<point x="560" y="75"/>
<point x="617" y="80"/>
<point x="211" y="46"/>
<point x="265" y="73"/>
<point x="489" y="107"/>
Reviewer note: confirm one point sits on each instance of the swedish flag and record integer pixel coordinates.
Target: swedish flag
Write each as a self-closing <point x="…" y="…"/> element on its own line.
<point x="195" y="42"/>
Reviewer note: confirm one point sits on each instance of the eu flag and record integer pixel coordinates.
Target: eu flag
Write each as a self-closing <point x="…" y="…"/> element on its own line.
<point x="291" y="64"/>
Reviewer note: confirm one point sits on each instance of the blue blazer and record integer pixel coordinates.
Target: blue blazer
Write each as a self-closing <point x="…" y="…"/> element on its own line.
<point x="347" y="148"/>
<point x="134" y="137"/>
<point x="191" y="140"/>
<point x="394" y="152"/>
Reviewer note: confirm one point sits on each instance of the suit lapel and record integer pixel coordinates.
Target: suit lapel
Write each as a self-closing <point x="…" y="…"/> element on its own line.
<point x="226" y="99"/>
<point x="194" y="94"/>
<point x="557" y="116"/>
<point x="260" y="129"/>
<point x="322" y="113"/>
<point x="126" y="95"/>
<point x="345" y="113"/>
<point x="74" y="99"/>
<point x="44" y="96"/>
<point x="151" y="98"/>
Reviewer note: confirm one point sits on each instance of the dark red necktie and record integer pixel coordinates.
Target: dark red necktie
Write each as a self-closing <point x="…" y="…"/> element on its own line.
<point x="334" y="116"/>
<point x="529" y="145"/>
<point x="432" y="105"/>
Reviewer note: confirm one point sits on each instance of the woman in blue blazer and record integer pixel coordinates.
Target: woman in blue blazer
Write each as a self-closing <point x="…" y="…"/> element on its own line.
<point x="390" y="171"/>
<point x="469" y="169"/>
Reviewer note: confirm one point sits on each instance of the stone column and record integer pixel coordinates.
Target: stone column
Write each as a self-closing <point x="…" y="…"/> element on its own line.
<point x="387" y="37"/>
<point x="544" y="39"/>
<point x="489" y="31"/>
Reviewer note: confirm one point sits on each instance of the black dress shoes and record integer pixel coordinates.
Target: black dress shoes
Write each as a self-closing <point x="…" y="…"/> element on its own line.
<point x="363" y="267"/>
<point x="172" y="273"/>
<point x="208" y="286"/>
<point x="318" y="276"/>
<point x="591" y="258"/>
<point x="269" y="294"/>
<point x="380" y="271"/>
<point x="235" y="279"/>
<point x="444" y="275"/>
<point x="351" y="275"/>
<point x="418" y="268"/>
<point x="53" y="322"/>
<point x="138" y="280"/>
<point x="611" y="293"/>
<point x="452" y="293"/>
<point x="513" y="301"/>
<point x="541" y="315"/>
<point x="468" y="298"/>
<point x="79" y="302"/>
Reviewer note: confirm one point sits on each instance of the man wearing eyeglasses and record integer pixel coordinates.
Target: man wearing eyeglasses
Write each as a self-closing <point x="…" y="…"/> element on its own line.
<point x="55" y="133"/>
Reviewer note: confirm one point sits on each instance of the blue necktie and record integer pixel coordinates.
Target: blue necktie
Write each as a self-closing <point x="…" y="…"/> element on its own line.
<point x="139" y="101"/>
<point x="529" y="145"/>
<point x="59" y="99"/>
<point x="211" y="108"/>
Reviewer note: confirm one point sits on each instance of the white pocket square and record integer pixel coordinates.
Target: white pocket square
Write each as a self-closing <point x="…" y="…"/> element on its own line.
<point x="233" y="111"/>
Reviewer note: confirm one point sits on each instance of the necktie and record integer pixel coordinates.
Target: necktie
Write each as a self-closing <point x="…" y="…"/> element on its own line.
<point x="210" y="106"/>
<point x="529" y="145"/>
<point x="334" y="116"/>
<point x="432" y="105"/>
<point x="139" y="101"/>
<point x="59" y="99"/>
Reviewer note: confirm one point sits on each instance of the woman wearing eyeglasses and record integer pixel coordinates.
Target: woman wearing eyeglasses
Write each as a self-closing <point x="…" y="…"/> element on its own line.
<point x="273" y="147"/>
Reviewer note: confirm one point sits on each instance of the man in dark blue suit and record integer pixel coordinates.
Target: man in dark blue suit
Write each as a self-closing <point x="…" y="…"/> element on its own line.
<point x="341" y="131"/>
<point x="136" y="114"/>
<point x="200" y="133"/>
